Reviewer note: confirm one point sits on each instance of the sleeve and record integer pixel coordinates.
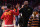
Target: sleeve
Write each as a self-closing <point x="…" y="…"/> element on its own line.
<point x="31" y="11"/>
<point x="2" y="17"/>
<point x="20" y="11"/>
<point x="16" y="13"/>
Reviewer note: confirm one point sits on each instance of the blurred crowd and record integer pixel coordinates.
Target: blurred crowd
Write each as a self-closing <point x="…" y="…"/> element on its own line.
<point x="18" y="5"/>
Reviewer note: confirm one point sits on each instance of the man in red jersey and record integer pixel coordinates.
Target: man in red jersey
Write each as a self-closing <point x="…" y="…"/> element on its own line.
<point x="8" y="16"/>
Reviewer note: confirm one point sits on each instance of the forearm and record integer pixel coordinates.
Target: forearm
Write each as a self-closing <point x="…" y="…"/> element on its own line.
<point x="16" y="13"/>
<point x="14" y="22"/>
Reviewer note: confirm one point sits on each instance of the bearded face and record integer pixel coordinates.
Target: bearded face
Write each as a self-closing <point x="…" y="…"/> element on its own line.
<point x="26" y="3"/>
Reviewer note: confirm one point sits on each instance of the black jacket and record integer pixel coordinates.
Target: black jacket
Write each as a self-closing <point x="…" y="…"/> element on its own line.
<point x="26" y="12"/>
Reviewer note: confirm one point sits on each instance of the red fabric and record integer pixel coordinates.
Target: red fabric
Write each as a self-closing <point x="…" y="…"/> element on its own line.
<point x="8" y="16"/>
<point x="14" y="15"/>
<point x="8" y="26"/>
<point x="13" y="18"/>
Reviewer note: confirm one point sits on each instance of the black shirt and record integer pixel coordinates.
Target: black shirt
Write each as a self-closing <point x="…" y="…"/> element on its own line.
<point x="26" y="12"/>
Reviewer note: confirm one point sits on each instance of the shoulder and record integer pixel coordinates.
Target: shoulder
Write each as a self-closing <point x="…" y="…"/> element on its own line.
<point x="31" y="8"/>
<point x="11" y="10"/>
<point x="4" y="13"/>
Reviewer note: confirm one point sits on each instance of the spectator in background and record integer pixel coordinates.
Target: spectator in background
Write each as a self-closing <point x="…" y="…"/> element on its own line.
<point x="16" y="16"/>
<point x="39" y="7"/>
<point x="3" y="8"/>
<point x="18" y="6"/>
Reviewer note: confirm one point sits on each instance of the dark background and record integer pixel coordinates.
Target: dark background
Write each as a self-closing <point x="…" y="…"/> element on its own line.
<point x="32" y="3"/>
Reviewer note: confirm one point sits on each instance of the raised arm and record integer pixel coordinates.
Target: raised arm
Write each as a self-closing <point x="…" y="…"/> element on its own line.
<point x="16" y="13"/>
<point x="20" y="11"/>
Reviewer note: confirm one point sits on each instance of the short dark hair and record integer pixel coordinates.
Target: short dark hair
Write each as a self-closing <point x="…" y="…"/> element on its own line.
<point x="9" y="6"/>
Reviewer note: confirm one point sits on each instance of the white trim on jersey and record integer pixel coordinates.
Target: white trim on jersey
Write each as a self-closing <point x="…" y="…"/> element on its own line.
<point x="9" y="25"/>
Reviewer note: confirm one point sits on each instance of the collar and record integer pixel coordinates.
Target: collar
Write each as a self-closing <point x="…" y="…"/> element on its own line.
<point x="7" y="10"/>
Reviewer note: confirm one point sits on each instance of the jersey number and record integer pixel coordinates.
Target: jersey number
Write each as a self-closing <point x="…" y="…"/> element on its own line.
<point x="7" y="13"/>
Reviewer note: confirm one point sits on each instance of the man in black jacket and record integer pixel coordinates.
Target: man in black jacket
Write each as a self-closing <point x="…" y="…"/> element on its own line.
<point x="26" y="12"/>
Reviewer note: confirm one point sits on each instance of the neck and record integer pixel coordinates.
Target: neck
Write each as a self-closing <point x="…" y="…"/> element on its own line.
<point x="8" y="8"/>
